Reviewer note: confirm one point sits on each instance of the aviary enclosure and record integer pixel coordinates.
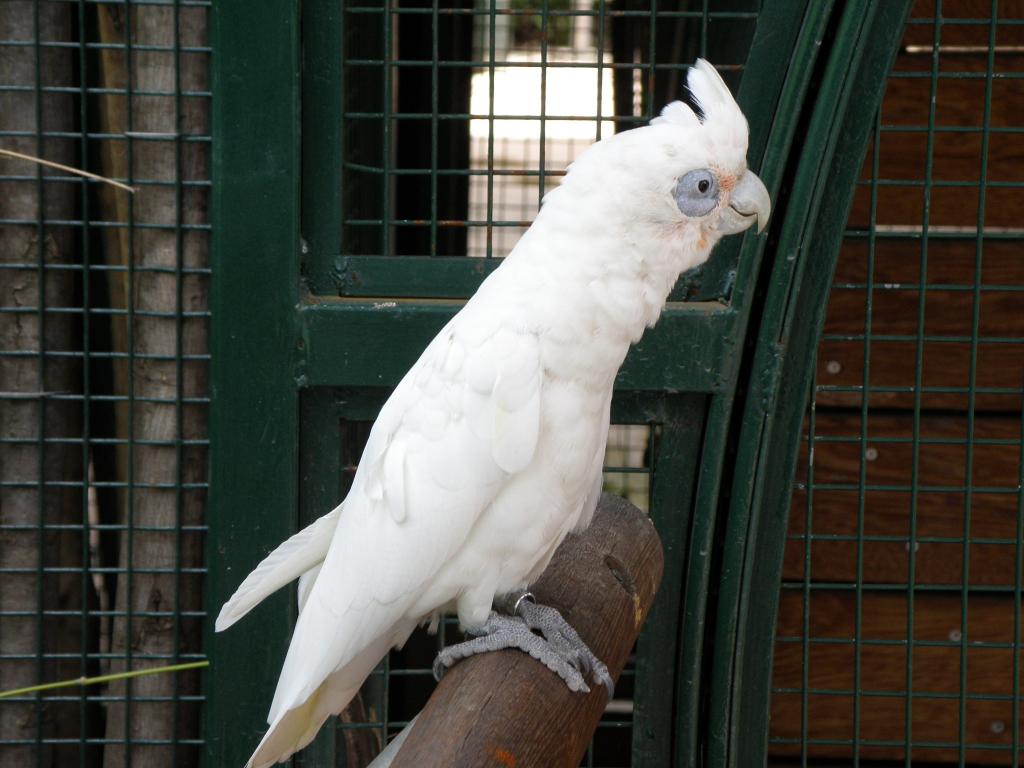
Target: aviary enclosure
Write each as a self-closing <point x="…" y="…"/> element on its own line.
<point x="826" y="425"/>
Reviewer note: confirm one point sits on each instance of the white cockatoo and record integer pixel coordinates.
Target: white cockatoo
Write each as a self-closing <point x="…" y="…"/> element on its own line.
<point x="490" y="449"/>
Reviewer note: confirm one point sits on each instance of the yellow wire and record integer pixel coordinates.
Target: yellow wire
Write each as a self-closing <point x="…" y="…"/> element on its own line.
<point x="104" y="678"/>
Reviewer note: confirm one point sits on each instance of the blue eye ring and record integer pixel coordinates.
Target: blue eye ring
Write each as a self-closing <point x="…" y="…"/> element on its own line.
<point x="697" y="193"/>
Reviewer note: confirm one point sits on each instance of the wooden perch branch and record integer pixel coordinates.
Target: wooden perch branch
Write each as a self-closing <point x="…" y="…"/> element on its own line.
<point x="505" y="708"/>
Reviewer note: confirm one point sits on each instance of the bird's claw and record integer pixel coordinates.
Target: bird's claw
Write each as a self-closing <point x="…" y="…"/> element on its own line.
<point x="560" y="649"/>
<point x="566" y="641"/>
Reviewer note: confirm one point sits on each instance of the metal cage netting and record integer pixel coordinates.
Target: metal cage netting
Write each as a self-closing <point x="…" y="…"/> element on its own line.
<point x="103" y="368"/>
<point x="899" y="633"/>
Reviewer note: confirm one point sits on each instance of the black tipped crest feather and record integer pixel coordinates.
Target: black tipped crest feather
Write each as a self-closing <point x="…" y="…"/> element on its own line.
<point x="691" y="100"/>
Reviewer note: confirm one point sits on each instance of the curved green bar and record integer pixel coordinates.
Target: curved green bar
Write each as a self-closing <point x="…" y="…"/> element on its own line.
<point x="775" y="84"/>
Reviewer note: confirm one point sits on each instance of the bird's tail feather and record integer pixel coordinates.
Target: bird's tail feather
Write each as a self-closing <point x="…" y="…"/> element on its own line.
<point x="302" y="552"/>
<point x="292" y="729"/>
<point x="390" y="752"/>
<point x="287" y="734"/>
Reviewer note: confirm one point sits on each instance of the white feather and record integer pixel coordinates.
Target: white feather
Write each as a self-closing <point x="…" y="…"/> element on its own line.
<point x="678" y="113"/>
<point x="306" y="582"/>
<point x="303" y="551"/>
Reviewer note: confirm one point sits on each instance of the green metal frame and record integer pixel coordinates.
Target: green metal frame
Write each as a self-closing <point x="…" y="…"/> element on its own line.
<point x="254" y="397"/>
<point x="281" y="350"/>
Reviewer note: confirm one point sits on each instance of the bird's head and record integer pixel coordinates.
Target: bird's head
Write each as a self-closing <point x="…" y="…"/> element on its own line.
<point x="683" y="179"/>
<point x="705" y="155"/>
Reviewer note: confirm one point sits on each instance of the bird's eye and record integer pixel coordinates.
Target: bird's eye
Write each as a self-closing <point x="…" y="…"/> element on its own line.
<point x="697" y="193"/>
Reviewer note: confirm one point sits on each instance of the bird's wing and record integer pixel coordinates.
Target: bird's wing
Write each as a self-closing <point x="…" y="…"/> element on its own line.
<point x="303" y="551"/>
<point x="465" y="417"/>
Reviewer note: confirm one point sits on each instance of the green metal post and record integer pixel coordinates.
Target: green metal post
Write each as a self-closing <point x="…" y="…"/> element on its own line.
<point x="322" y="55"/>
<point x="254" y="413"/>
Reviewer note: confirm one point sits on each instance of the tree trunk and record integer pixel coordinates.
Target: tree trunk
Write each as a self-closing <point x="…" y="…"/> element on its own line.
<point x="166" y="302"/>
<point x="42" y="500"/>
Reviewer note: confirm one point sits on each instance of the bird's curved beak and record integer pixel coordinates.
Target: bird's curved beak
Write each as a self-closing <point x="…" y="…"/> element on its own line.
<point x="748" y="203"/>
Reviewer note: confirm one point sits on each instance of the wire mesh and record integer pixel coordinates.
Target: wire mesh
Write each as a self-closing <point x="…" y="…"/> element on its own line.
<point x="901" y="611"/>
<point x="536" y="82"/>
<point x="102" y="377"/>
<point x="899" y="633"/>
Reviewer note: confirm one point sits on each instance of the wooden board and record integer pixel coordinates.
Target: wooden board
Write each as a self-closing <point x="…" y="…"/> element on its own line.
<point x="952" y="261"/>
<point x="891" y="336"/>
<point x="941" y="509"/>
<point x="935" y="706"/>
<point x="889" y="451"/>
<point x="890" y="339"/>
<point x="947" y="311"/>
<point x="956" y="156"/>
<point x="947" y="366"/>
<point x="897" y="265"/>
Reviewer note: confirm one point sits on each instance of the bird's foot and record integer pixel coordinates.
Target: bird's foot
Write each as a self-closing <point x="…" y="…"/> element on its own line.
<point x="558" y="647"/>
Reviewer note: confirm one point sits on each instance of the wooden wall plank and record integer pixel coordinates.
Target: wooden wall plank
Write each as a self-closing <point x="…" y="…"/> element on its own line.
<point x="883" y="703"/>
<point x="941" y="501"/>
<point x="949" y="266"/>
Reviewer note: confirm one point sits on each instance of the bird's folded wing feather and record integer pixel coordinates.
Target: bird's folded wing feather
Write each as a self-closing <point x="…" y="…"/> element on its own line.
<point x="464" y="417"/>
<point x="303" y="551"/>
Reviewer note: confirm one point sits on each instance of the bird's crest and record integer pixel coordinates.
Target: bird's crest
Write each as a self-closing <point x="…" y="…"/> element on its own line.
<point x="713" y="106"/>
